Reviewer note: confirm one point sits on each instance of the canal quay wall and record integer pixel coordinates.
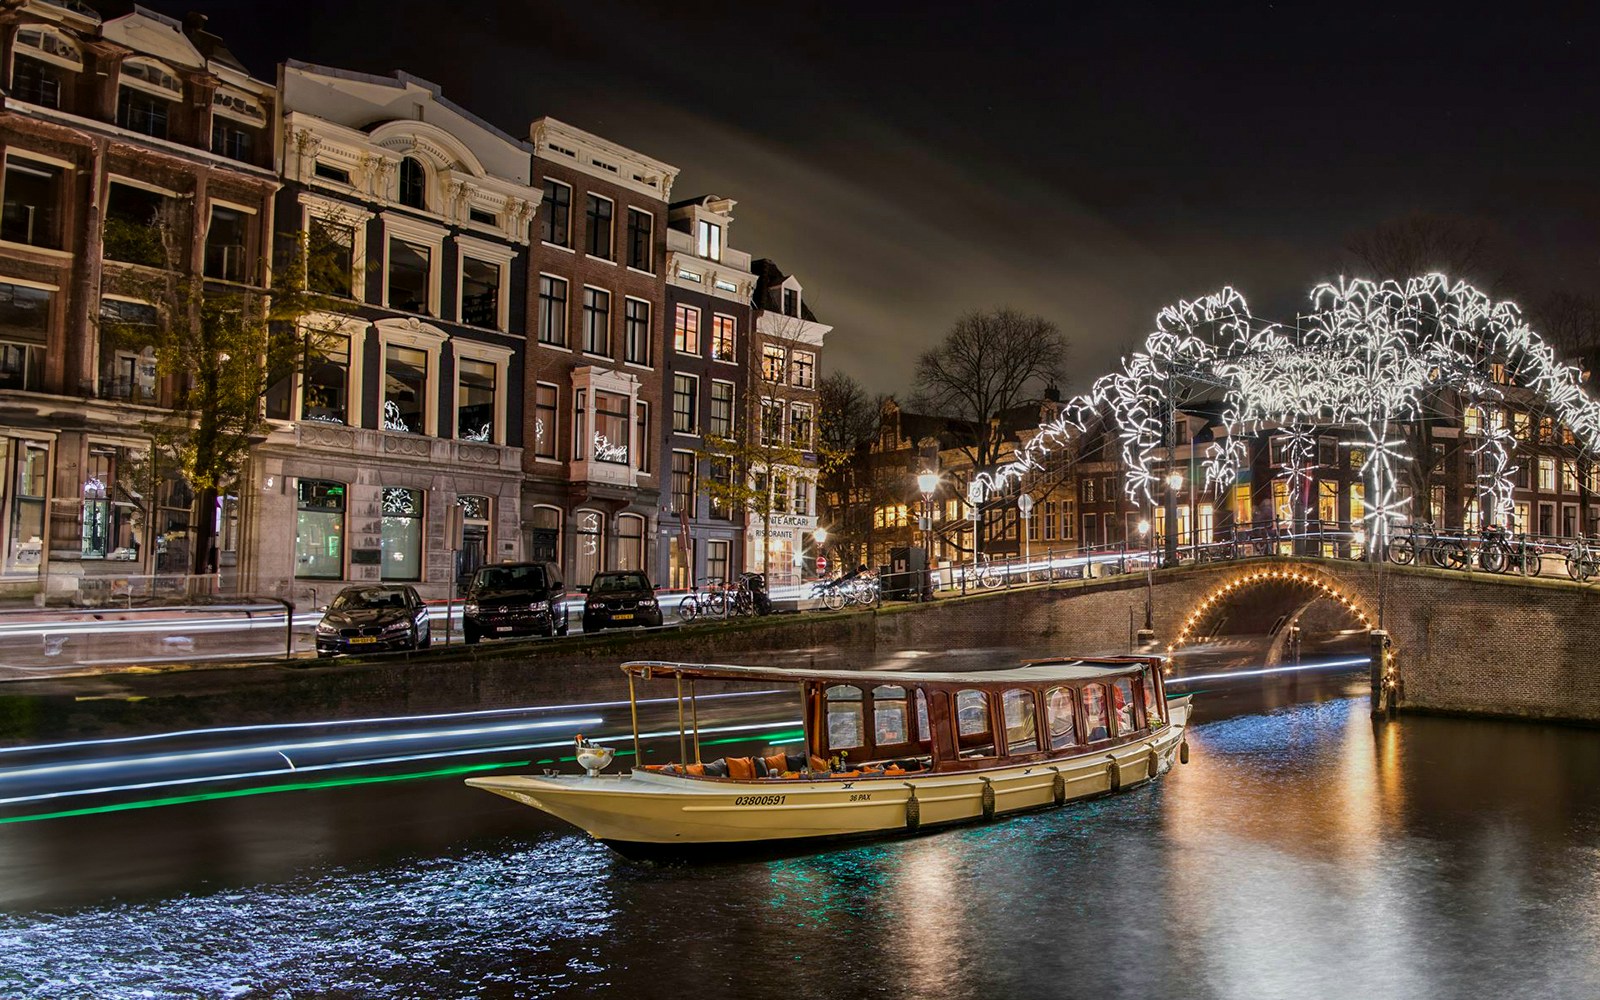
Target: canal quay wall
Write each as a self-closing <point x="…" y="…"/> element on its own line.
<point x="1464" y="643"/>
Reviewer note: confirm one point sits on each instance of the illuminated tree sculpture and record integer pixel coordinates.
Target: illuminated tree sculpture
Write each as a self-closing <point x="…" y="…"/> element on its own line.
<point x="1369" y="358"/>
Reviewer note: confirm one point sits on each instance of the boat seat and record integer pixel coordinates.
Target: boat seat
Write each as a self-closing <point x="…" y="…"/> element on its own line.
<point x="741" y="768"/>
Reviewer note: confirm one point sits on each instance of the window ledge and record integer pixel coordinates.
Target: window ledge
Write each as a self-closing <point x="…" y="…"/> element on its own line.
<point x="554" y="347"/>
<point x="635" y="270"/>
<point x="541" y="460"/>
<point x="485" y="329"/>
<point x="41" y="251"/>
<point x="601" y="260"/>
<point x="557" y="246"/>
<point x="635" y="364"/>
<point x="600" y="357"/>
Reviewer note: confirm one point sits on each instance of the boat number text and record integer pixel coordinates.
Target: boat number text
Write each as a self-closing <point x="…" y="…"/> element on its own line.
<point x="861" y="797"/>
<point x="759" y="800"/>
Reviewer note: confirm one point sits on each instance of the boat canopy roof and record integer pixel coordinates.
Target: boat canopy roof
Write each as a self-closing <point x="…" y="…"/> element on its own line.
<point x="1031" y="673"/>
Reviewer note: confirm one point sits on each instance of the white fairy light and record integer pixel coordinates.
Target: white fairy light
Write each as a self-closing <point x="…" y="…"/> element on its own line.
<point x="1367" y="358"/>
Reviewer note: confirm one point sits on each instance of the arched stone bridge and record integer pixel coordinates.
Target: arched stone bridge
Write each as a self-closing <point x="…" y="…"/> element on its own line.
<point x="1463" y="642"/>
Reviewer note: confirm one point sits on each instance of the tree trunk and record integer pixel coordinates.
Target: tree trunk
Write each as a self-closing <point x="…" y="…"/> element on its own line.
<point x="205" y="534"/>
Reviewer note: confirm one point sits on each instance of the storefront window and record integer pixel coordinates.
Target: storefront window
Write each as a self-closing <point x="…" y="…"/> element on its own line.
<point x="401" y="534"/>
<point x="588" y="541"/>
<point x="319" y="531"/>
<point x="111" y="518"/>
<point x="27" y="506"/>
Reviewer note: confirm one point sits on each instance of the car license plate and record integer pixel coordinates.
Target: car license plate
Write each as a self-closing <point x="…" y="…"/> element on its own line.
<point x="359" y="639"/>
<point x="502" y="628"/>
<point x="622" y="617"/>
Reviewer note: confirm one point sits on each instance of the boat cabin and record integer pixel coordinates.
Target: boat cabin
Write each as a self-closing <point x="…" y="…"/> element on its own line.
<point x="890" y="723"/>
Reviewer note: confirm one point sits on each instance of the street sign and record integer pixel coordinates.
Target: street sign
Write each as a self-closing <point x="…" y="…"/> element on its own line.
<point x="975" y="493"/>
<point x="822" y="565"/>
<point x="1025" y="504"/>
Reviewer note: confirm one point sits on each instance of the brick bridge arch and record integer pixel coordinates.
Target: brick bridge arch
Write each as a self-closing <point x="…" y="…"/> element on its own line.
<point x="1293" y="587"/>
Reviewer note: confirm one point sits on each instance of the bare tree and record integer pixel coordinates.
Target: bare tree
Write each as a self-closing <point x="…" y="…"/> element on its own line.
<point x="1570" y="323"/>
<point x="989" y="363"/>
<point x="1458" y="246"/>
<point x="848" y="421"/>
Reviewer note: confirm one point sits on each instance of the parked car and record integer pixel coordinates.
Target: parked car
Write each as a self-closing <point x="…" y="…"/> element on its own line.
<point x="620" y="599"/>
<point x="513" y="599"/>
<point x="368" y="618"/>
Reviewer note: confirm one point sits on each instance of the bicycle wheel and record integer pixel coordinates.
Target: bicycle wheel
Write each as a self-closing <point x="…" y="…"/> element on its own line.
<point x="834" y="599"/>
<point x="1455" y="555"/>
<point x="1577" y="566"/>
<point x="1493" y="558"/>
<point x="1402" y="551"/>
<point x="989" y="579"/>
<point x="688" y="608"/>
<point x="1533" y="562"/>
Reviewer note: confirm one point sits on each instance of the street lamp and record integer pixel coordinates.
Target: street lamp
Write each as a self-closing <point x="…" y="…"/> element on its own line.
<point x="820" y="536"/>
<point x="1149" y="631"/>
<point x="927" y="482"/>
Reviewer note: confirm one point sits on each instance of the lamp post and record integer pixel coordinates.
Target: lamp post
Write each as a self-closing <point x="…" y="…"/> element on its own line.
<point x="820" y="536"/>
<point x="1170" y="542"/>
<point x="1149" y="631"/>
<point x="927" y="482"/>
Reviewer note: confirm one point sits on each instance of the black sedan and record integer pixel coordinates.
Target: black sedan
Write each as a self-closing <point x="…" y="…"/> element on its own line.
<point x="620" y="599"/>
<point x="372" y="618"/>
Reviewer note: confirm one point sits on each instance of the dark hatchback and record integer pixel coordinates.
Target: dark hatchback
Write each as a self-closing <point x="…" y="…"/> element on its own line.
<point x="374" y="618"/>
<point x="514" y="599"/>
<point x="620" y="600"/>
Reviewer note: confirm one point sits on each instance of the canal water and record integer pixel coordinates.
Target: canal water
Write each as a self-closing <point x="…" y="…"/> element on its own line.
<point x="1303" y="852"/>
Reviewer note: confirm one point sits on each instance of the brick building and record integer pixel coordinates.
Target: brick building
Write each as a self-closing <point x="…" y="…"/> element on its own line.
<point x="592" y="494"/>
<point x="137" y="150"/>
<point x="710" y="291"/>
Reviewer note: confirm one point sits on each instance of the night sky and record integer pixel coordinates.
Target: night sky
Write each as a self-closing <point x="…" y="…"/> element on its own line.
<point x="909" y="162"/>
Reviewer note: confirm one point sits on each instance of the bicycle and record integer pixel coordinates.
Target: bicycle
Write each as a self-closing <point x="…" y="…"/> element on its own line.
<point x="1582" y="560"/>
<point x="1423" y="542"/>
<point x="985" y="576"/>
<point x="708" y="600"/>
<point x="1494" y="550"/>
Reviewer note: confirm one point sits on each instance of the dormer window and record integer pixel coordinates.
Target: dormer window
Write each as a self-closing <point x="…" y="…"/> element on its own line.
<point x="791" y="302"/>
<point x="413" y="183"/>
<point x="709" y="241"/>
<point x="144" y="100"/>
<point x="40" y="64"/>
<point x="235" y="120"/>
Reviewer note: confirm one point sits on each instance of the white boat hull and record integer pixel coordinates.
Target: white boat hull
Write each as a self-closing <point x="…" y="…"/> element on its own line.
<point x="648" y="808"/>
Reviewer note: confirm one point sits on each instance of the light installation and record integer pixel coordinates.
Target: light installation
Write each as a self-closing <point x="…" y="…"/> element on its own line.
<point x="1368" y="360"/>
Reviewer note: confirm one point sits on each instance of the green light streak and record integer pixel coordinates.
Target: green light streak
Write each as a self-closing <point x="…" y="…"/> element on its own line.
<point x="178" y="800"/>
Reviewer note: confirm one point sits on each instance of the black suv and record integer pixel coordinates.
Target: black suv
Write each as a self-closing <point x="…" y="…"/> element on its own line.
<point x="620" y="599"/>
<point x="515" y="599"/>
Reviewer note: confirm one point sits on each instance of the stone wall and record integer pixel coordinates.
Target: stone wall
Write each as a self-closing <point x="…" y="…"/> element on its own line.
<point x="1467" y="643"/>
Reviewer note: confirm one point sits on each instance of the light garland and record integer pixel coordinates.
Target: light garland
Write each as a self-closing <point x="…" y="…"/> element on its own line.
<point x="1366" y="358"/>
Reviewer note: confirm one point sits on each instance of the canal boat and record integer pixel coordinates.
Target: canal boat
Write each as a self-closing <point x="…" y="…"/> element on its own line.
<point x="884" y="752"/>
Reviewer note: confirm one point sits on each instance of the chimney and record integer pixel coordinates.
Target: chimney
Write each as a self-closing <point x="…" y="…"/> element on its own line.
<point x="193" y="22"/>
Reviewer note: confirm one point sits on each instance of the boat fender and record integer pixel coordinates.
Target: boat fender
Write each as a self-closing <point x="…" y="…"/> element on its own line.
<point x="988" y="798"/>
<point x="913" y="810"/>
<point x="1152" y="764"/>
<point x="1058" y="786"/>
<point x="1183" y="752"/>
<point x="1113" y="774"/>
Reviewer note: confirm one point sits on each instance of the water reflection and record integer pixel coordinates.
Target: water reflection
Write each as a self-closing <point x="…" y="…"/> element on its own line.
<point x="1301" y="853"/>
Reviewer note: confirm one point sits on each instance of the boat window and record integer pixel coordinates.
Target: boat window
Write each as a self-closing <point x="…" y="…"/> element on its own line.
<point x="1122" y="699"/>
<point x="844" y="717"/>
<point x="1058" y="707"/>
<point x="1094" y="712"/>
<point x="889" y="722"/>
<point x="924" y="732"/>
<point x="1022" y="727"/>
<point x="1152" y="697"/>
<point x="973" y="729"/>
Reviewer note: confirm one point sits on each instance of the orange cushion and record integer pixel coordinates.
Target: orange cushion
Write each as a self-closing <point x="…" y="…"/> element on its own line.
<point x="698" y="770"/>
<point x="894" y="769"/>
<point x="742" y="768"/>
<point x="777" y="764"/>
<point x="818" y="764"/>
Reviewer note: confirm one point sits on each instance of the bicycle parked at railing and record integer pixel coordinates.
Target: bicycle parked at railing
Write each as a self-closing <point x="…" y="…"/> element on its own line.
<point x="860" y="587"/>
<point x="1501" y="552"/>
<point x="708" y="600"/>
<point x="1582" y="559"/>
<point x="1423" y="542"/>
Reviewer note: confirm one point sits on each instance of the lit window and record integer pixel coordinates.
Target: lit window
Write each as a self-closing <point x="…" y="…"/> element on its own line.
<point x="709" y="241"/>
<point x="800" y="425"/>
<point x="319" y="531"/>
<point x="803" y="369"/>
<point x="891" y="723"/>
<point x="1022" y="735"/>
<point x="772" y="363"/>
<point x="722" y="337"/>
<point x="686" y="330"/>
<point x="975" y="736"/>
<point x="400" y="536"/>
<point x="1059" y="715"/>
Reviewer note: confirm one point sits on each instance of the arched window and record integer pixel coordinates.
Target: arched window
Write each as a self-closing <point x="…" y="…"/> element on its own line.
<point x="413" y="183"/>
<point x="1154" y="710"/>
<point x="146" y="96"/>
<point x="630" y="542"/>
<point x="1094" y="713"/>
<point x="1059" y="715"/>
<point x="974" y="729"/>
<point x="1022" y="729"/>
<point x="890" y="725"/>
<point x="844" y="717"/>
<point x="41" y="63"/>
<point x="1122" y="703"/>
